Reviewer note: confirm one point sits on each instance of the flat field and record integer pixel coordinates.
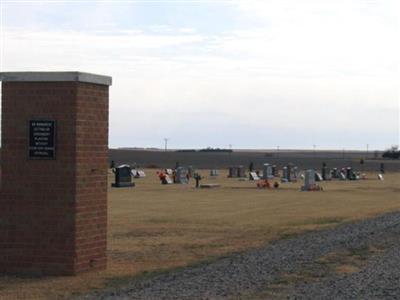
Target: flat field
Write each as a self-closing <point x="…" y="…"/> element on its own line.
<point x="155" y="227"/>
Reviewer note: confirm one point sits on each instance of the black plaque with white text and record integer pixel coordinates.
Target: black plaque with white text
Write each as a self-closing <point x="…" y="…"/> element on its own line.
<point x="42" y="135"/>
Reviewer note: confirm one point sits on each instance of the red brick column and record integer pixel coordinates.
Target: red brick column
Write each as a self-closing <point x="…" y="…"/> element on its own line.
<point x="53" y="212"/>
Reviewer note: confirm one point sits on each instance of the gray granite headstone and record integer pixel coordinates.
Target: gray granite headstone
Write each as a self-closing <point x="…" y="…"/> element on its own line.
<point x="241" y="173"/>
<point x="267" y="172"/>
<point x="309" y="179"/>
<point x="182" y="175"/>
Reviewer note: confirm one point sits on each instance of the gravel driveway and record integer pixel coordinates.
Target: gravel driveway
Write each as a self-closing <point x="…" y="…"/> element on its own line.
<point x="352" y="261"/>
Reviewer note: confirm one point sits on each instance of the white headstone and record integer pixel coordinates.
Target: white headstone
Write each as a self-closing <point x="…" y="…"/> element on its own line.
<point x="140" y="174"/>
<point x="167" y="180"/>
<point x="318" y="177"/>
<point x="254" y="176"/>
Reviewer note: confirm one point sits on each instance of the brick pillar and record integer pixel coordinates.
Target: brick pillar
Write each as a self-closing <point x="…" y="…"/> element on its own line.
<point x="53" y="205"/>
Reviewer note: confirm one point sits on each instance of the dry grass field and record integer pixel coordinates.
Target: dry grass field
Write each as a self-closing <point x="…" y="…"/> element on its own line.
<point x="154" y="227"/>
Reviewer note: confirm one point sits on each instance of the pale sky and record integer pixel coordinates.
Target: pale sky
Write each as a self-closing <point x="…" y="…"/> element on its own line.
<point x="254" y="74"/>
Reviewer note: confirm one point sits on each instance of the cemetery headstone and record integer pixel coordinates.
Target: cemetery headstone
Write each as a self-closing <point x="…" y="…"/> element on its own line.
<point x="335" y="173"/>
<point x="123" y="177"/>
<point x="168" y="180"/>
<point x="293" y="174"/>
<point x="140" y="174"/>
<point x="309" y="179"/>
<point x="233" y="172"/>
<point x="182" y="176"/>
<point x="165" y="178"/>
<point x="267" y="171"/>
<point x="275" y="171"/>
<point x="349" y="172"/>
<point x="254" y="176"/>
<point x="241" y="172"/>
<point x="326" y="173"/>
<point x="285" y="174"/>
<point x="318" y="177"/>
<point x="214" y="173"/>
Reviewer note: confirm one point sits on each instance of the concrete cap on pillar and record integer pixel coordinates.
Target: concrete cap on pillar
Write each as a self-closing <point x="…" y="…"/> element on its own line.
<point x="55" y="77"/>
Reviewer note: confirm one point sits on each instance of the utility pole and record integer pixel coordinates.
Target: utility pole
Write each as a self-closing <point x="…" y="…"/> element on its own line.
<point x="367" y="150"/>
<point x="165" y="144"/>
<point x="277" y="151"/>
<point x="314" y="150"/>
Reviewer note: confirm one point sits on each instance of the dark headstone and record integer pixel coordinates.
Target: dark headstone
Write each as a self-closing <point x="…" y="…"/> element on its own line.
<point x="251" y="166"/>
<point x="241" y="172"/>
<point x="123" y="177"/>
<point x="275" y="171"/>
<point x="233" y="172"/>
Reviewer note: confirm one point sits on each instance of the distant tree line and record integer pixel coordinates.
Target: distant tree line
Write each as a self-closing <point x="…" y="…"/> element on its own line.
<point x="206" y="150"/>
<point x="393" y="153"/>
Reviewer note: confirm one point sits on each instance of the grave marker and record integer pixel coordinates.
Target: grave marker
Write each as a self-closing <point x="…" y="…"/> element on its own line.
<point x="182" y="175"/>
<point x="241" y="173"/>
<point x="214" y="173"/>
<point x="285" y="174"/>
<point x="275" y="171"/>
<point x="318" y="177"/>
<point x="309" y="179"/>
<point x="140" y="174"/>
<point x="254" y="176"/>
<point x="267" y="171"/>
<point x="123" y="177"/>
<point x="233" y="172"/>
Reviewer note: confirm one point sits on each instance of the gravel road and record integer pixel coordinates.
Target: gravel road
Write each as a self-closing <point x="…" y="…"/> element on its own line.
<point x="352" y="261"/>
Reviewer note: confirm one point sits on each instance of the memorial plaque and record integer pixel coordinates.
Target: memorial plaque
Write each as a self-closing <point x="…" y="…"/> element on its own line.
<point x="42" y="139"/>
